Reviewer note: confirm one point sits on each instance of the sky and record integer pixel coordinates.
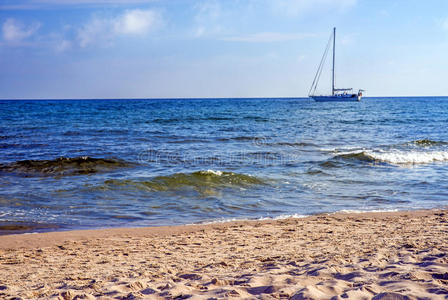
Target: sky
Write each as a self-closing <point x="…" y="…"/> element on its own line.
<point x="219" y="48"/>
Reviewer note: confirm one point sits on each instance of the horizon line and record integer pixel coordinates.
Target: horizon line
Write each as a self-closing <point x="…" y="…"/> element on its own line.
<point x="198" y="98"/>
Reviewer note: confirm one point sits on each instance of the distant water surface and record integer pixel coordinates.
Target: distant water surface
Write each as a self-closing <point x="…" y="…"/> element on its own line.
<point x="74" y="164"/>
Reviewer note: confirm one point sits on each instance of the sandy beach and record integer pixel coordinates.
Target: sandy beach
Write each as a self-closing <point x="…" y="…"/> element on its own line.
<point x="394" y="255"/>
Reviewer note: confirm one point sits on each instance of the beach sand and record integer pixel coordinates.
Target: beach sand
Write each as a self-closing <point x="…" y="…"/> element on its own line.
<point x="397" y="255"/>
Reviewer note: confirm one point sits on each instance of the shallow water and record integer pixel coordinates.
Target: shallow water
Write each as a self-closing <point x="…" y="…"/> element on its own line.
<point x="105" y="163"/>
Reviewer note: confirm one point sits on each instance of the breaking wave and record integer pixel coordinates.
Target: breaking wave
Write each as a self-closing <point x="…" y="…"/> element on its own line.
<point x="16" y="227"/>
<point x="423" y="151"/>
<point x="63" y="166"/>
<point x="413" y="157"/>
<point x="395" y="157"/>
<point x="199" y="180"/>
<point x="239" y="138"/>
<point x="427" y="143"/>
<point x="293" y="144"/>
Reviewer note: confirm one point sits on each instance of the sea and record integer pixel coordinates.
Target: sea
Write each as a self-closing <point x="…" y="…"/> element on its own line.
<point x="89" y="164"/>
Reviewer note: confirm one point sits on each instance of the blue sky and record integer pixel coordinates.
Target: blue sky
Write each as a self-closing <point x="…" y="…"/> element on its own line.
<point x="219" y="48"/>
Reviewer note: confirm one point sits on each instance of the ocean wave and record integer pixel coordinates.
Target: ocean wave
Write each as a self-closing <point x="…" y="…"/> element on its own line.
<point x="189" y="119"/>
<point x="427" y="143"/>
<point x="363" y="211"/>
<point x="16" y="227"/>
<point x="411" y="145"/>
<point x="395" y="157"/>
<point x="63" y="166"/>
<point x="188" y="141"/>
<point x="231" y="220"/>
<point x="293" y="144"/>
<point x="314" y="171"/>
<point x="355" y="156"/>
<point x="260" y="155"/>
<point x="256" y="118"/>
<point x="22" y="145"/>
<point x="213" y="118"/>
<point x="238" y="138"/>
<point x="5" y="137"/>
<point x="341" y="149"/>
<point x="203" y="181"/>
<point x="412" y="157"/>
<point x="301" y="216"/>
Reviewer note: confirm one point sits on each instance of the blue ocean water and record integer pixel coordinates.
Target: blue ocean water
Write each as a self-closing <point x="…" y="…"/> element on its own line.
<point x="74" y="164"/>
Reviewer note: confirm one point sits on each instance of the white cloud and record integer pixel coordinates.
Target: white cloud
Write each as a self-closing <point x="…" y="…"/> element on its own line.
<point x="137" y="22"/>
<point x="444" y="24"/>
<point x="301" y="58"/>
<point x="302" y="7"/>
<point x="72" y="2"/>
<point x="207" y="18"/>
<point x="94" y="31"/>
<point x="43" y="4"/>
<point x="14" y="31"/>
<point x="63" y="45"/>
<point x="348" y="39"/>
<point x="267" y="37"/>
<point x="131" y="22"/>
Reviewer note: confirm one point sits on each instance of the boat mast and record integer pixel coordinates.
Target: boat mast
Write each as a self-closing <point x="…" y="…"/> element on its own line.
<point x="334" y="45"/>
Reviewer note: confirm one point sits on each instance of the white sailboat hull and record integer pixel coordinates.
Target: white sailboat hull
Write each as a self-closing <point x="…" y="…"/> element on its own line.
<point x="337" y="98"/>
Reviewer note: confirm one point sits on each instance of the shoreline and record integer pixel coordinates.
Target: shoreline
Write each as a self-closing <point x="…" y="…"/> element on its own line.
<point x="46" y="228"/>
<point x="50" y="238"/>
<point x="354" y="255"/>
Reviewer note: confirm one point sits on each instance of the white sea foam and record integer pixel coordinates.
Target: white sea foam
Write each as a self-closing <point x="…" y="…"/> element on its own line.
<point x="281" y="217"/>
<point x="212" y="172"/>
<point x="398" y="157"/>
<point x="299" y="216"/>
<point x="341" y="149"/>
<point x="408" y="157"/>
<point x="359" y="211"/>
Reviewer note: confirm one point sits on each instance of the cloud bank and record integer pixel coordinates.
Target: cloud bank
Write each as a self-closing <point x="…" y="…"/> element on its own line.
<point x="135" y="22"/>
<point x="14" y="31"/>
<point x="44" y="4"/>
<point x="266" y="37"/>
<point x="207" y="18"/>
<point x="301" y="7"/>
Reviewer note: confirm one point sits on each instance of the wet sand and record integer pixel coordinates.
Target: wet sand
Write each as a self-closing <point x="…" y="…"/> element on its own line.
<point x="399" y="255"/>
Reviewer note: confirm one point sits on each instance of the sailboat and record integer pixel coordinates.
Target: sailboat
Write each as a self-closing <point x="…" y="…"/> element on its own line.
<point x="337" y="94"/>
